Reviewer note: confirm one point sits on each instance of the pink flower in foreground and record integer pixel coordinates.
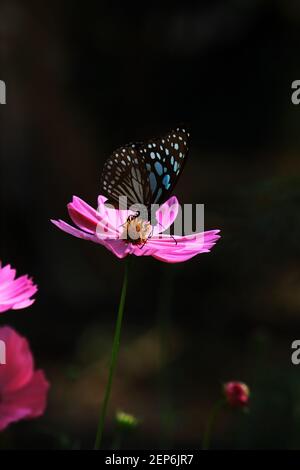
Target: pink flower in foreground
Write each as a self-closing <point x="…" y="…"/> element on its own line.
<point x="15" y="293"/>
<point x="106" y="226"/>
<point x="23" y="391"/>
<point x="237" y="394"/>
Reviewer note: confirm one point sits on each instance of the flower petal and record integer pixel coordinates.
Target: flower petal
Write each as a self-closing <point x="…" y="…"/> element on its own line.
<point x="118" y="247"/>
<point x="75" y="231"/>
<point x="7" y="274"/>
<point x="10" y="414"/>
<point x="31" y="397"/>
<point x="25" y="304"/>
<point x="23" y="391"/>
<point x="15" y="293"/>
<point x="24" y="403"/>
<point x="18" y="370"/>
<point x="166" y="215"/>
<point x="184" y="248"/>
<point x="112" y="219"/>
<point x="84" y="208"/>
<point x="84" y="222"/>
<point x="143" y="250"/>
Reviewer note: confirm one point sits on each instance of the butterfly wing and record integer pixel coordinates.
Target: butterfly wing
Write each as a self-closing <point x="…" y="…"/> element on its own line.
<point x="125" y="174"/>
<point x="145" y="173"/>
<point x="164" y="159"/>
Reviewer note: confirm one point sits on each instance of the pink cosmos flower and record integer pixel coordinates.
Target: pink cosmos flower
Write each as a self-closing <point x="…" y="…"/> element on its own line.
<point x="15" y="293"/>
<point x="23" y="391"/>
<point x="107" y="226"/>
<point x="237" y="394"/>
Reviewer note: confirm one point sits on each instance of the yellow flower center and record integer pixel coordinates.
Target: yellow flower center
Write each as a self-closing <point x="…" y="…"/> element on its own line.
<point x="136" y="230"/>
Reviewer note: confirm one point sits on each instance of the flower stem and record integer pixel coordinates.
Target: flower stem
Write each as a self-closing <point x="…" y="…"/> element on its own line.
<point x="210" y="424"/>
<point x="167" y="417"/>
<point x="113" y="360"/>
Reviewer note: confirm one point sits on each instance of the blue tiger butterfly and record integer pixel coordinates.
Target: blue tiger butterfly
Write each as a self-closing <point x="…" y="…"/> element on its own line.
<point x="145" y="172"/>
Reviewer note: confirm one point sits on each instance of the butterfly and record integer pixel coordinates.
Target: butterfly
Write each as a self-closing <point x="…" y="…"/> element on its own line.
<point x="145" y="172"/>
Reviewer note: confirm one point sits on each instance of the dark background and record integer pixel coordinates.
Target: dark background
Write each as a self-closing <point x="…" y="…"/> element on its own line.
<point x="85" y="78"/>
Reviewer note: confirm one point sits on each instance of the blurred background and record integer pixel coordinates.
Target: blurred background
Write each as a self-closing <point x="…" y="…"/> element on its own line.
<point x="83" y="79"/>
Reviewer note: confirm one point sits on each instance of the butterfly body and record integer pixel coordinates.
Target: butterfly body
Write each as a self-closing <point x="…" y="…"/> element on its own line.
<point x="144" y="174"/>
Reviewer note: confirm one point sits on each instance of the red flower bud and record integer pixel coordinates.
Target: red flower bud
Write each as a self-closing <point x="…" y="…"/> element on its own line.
<point x="237" y="394"/>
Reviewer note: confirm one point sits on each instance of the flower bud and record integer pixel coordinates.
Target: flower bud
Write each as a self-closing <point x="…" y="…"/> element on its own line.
<point x="125" y="420"/>
<point x="237" y="394"/>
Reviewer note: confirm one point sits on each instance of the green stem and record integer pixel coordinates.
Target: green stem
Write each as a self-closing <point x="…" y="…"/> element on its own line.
<point x="165" y="382"/>
<point x="210" y="424"/>
<point x="113" y="360"/>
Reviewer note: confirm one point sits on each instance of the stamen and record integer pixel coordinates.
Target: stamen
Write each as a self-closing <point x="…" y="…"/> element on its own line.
<point x="136" y="231"/>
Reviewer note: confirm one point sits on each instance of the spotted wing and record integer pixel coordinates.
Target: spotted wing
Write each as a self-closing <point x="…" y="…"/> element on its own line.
<point x="146" y="173"/>
<point x="164" y="160"/>
<point x="125" y="174"/>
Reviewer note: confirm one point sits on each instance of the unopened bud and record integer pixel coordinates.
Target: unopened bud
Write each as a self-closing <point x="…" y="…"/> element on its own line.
<point x="237" y="394"/>
<point x="126" y="420"/>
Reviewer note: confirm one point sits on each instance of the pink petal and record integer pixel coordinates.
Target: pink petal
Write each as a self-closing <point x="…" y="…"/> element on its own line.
<point x="5" y="308"/>
<point x="24" y="304"/>
<point x="113" y="219"/>
<point x="11" y="414"/>
<point x="23" y="392"/>
<point x="18" y="370"/>
<point x="26" y="402"/>
<point x="90" y="220"/>
<point x="7" y="274"/>
<point x="187" y="247"/>
<point x="84" y="208"/>
<point x="32" y="396"/>
<point x="74" y="231"/>
<point x="15" y="293"/>
<point x="143" y="250"/>
<point x="166" y="215"/>
<point x="83" y="221"/>
<point x="118" y="247"/>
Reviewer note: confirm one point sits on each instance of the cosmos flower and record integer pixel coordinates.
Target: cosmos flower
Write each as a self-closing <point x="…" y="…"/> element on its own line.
<point x="123" y="232"/>
<point x="23" y="391"/>
<point x="236" y="394"/>
<point x="15" y="293"/>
